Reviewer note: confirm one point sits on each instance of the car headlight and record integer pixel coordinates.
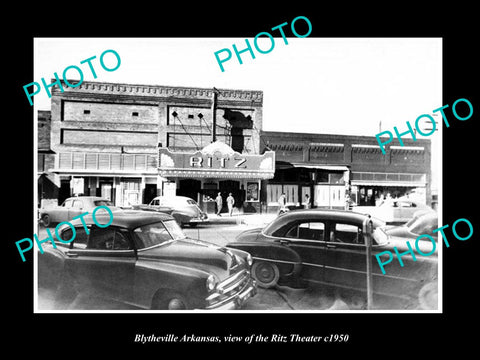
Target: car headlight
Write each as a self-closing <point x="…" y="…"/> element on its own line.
<point x="249" y="260"/>
<point x="211" y="282"/>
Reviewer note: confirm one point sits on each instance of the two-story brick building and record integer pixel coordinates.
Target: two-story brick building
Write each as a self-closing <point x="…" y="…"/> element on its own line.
<point x="330" y="167"/>
<point x="108" y="141"/>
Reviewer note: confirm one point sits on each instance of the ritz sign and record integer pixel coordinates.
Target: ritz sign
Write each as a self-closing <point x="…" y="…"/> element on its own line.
<point x="222" y="162"/>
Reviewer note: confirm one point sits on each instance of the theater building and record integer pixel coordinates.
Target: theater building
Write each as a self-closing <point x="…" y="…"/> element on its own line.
<point x="333" y="168"/>
<point x="129" y="143"/>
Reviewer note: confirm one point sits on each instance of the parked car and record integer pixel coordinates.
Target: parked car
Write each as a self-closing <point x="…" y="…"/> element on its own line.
<point x="144" y="259"/>
<point x="394" y="211"/>
<point x="184" y="209"/>
<point x="423" y="222"/>
<point x="72" y="207"/>
<point x="327" y="247"/>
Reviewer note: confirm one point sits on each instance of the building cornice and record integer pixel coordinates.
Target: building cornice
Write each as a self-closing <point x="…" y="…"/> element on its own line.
<point x="158" y="91"/>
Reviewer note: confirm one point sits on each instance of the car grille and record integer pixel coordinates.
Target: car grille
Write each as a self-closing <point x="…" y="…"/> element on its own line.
<point x="229" y="288"/>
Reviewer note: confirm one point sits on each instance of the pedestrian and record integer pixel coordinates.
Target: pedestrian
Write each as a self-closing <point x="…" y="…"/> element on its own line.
<point x="307" y="202"/>
<point x="219" y="203"/>
<point x="282" y="202"/>
<point x="230" y="203"/>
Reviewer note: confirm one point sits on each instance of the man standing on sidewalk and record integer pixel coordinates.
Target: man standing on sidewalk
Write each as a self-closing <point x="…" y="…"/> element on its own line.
<point x="219" y="202"/>
<point x="230" y="203"/>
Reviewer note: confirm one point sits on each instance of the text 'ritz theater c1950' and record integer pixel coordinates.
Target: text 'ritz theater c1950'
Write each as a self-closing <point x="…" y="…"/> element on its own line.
<point x="129" y="143"/>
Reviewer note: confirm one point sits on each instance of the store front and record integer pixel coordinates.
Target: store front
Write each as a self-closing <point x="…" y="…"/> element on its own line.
<point x="371" y="188"/>
<point x="325" y="185"/>
<point x="124" y="179"/>
<point x="201" y="175"/>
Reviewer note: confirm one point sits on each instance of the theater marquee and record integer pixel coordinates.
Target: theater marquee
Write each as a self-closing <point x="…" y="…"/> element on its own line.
<point x="216" y="160"/>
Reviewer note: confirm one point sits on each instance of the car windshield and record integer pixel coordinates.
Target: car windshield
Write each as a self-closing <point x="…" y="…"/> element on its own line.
<point x="103" y="203"/>
<point x="157" y="233"/>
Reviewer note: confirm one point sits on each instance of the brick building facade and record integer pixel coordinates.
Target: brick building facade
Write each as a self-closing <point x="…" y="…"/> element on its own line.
<point x="329" y="167"/>
<point x="107" y="136"/>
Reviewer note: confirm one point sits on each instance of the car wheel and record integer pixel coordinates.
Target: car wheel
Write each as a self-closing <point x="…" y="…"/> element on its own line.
<point x="46" y="220"/>
<point x="169" y="301"/>
<point x="265" y="273"/>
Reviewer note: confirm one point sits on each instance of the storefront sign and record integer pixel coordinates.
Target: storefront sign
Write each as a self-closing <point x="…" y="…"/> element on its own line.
<point x="217" y="165"/>
<point x="77" y="185"/>
<point x="218" y="162"/>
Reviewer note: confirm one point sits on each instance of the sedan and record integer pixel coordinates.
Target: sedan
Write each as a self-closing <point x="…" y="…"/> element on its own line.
<point x="423" y="223"/>
<point x="182" y="208"/>
<point x="144" y="259"/>
<point x="328" y="247"/>
<point x="72" y="207"/>
<point x="394" y="211"/>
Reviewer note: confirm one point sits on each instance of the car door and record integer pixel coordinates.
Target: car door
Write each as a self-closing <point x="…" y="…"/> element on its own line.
<point x="60" y="214"/>
<point x="105" y="265"/>
<point x="307" y="239"/>
<point x="345" y="260"/>
<point x="76" y="209"/>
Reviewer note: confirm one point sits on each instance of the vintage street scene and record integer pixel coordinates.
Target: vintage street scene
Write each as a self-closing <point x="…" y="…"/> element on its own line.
<point x="161" y="197"/>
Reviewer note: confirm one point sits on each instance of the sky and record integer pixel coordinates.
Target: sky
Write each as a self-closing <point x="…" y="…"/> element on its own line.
<point x="315" y="85"/>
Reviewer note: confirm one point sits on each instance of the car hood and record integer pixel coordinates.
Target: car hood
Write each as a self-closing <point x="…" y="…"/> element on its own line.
<point x="196" y="254"/>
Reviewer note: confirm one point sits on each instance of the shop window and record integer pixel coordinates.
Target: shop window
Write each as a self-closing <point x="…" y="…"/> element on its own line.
<point x="336" y="178"/>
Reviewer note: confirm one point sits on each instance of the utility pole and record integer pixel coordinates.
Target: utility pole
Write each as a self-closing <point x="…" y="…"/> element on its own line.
<point x="214" y="115"/>
<point x="368" y="238"/>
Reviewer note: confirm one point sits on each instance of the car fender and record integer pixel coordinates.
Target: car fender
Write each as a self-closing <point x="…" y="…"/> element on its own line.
<point x="51" y="265"/>
<point x="287" y="260"/>
<point x="153" y="276"/>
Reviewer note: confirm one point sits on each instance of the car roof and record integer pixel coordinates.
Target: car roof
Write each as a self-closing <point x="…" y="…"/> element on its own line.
<point x="326" y="214"/>
<point x="125" y="218"/>
<point x="86" y="197"/>
<point x="172" y="197"/>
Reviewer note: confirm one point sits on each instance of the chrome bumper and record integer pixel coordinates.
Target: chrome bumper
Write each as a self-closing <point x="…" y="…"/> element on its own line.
<point x="237" y="300"/>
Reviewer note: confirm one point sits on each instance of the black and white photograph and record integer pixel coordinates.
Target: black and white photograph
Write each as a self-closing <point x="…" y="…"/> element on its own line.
<point x="134" y="130"/>
<point x="260" y="188"/>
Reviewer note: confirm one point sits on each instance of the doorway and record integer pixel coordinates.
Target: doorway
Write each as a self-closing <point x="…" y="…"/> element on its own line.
<point x="149" y="193"/>
<point x="189" y="188"/>
<point x="232" y="186"/>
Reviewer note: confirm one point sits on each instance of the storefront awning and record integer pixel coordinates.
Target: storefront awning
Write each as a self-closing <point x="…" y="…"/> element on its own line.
<point x="217" y="160"/>
<point x="322" y="167"/>
<point x="388" y="179"/>
<point x="387" y="183"/>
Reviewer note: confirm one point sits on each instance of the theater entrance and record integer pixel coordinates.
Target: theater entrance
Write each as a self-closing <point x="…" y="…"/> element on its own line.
<point x="189" y="188"/>
<point x="231" y="186"/>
